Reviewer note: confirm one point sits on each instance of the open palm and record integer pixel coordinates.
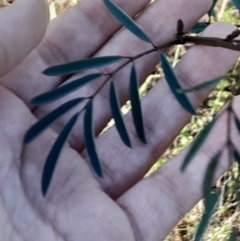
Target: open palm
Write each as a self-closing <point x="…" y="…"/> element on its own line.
<point x="78" y="205"/>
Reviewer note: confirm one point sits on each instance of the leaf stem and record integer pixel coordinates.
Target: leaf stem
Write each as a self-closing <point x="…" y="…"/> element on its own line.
<point x="183" y="39"/>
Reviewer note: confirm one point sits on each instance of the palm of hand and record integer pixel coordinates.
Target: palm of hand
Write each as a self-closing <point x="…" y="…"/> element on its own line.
<point x="78" y="206"/>
<point x="76" y="203"/>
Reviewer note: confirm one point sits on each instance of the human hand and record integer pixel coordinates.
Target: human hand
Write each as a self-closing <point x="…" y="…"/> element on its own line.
<point x="78" y="205"/>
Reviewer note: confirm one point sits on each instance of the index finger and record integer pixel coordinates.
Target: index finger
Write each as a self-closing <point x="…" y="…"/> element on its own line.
<point x="76" y="34"/>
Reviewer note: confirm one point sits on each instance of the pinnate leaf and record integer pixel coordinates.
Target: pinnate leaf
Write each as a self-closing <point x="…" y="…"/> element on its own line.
<point x="209" y="209"/>
<point x="126" y="20"/>
<point x="54" y="154"/>
<point x="90" y="139"/>
<point x="174" y="85"/>
<point x="117" y="116"/>
<point x="202" y="86"/>
<point x="81" y="65"/>
<point x="136" y="105"/>
<point x="64" y="90"/>
<point x="48" y="119"/>
<point x="198" y="142"/>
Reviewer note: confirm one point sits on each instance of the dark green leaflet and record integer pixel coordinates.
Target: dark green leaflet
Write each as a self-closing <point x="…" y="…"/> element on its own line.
<point x="237" y="122"/>
<point x="117" y="116"/>
<point x="198" y="142"/>
<point x="209" y="174"/>
<point x="126" y="20"/>
<point x="236" y="156"/>
<point x="236" y="3"/>
<point x="198" y="28"/>
<point x="202" y="86"/>
<point x="63" y="90"/>
<point x="80" y="65"/>
<point x="136" y="105"/>
<point x="90" y="139"/>
<point x="209" y="209"/>
<point x="54" y="154"/>
<point x="174" y="85"/>
<point x="48" y="119"/>
<point x="211" y="11"/>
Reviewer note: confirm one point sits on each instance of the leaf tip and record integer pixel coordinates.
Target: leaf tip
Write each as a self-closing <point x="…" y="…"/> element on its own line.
<point x="143" y="139"/>
<point x="44" y="191"/>
<point x="46" y="72"/>
<point x="129" y="144"/>
<point x="183" y="167"/>
<point x="99" y="172"/>
<point x="28" y="138"/>
<point x="44" y="185"/>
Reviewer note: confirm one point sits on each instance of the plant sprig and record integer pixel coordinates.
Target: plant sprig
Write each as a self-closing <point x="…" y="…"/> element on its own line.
<point x="180" y="94"/>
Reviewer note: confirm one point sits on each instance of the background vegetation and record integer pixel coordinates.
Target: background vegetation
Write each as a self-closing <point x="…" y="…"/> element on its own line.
<point x="226" y="217"/>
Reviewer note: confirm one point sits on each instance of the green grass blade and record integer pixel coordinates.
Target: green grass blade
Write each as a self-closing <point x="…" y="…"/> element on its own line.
<point x="202" y="86"/>
<point x="209" y="209"/>
<point x="237" y="4"/>
<point x="48" y="119"/>
<point x="90" y="139"/>
<point x="126" y="20"/>
<point x="117" y="116"/>
<point x="209" y="174"/>
<point x="236" y="156"/>
<point x="136" y="105"/>
<point x="198" y="142"/>
<point x="174" y="85"/>
<point x="63" y="90"/>
<point x="54" y="154"/>
<point x="80" y="65"/>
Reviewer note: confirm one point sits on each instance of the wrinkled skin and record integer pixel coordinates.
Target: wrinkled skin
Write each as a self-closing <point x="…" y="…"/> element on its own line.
<point x="78" y="205"/>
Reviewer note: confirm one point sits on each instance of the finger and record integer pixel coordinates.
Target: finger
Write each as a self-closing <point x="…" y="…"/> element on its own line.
<point x="22" y="26"/>
<point x="168" y="194"/>
<point x="163" y="116"/>
<point x="126" y="44"/>
<point x="78" y="33"/>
